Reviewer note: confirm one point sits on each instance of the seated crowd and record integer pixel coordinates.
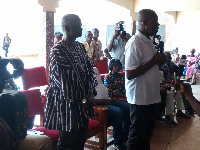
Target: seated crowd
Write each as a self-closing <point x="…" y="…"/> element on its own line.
<point x="110" y="92"/>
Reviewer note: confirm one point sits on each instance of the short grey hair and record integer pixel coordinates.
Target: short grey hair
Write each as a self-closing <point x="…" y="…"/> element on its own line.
<point x="146" y="14"/>
<point x="70" y="19"/>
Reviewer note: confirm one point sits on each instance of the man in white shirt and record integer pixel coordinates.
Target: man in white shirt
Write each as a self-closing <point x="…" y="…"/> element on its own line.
<point x="142" y="80"/>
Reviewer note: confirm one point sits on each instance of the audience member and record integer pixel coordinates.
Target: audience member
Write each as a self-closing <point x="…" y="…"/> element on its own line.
<point x="6" y="44"/>
<point x="57" y="37"/>
<point x="95" y="33"/>
<point x="71" y="88"/>
<point x="168" y="75"/>
<point x="114" y="81"/>
<point x="118" y="113"/>
<point x="32" y="142"/>
<point x="191" y="60"/>
<point x="116" y="45"/>
<point x="142" y="80"/>
<point x="175" y="56"/>
<point x="91" y="48"/>
<point x="160" y="45"/>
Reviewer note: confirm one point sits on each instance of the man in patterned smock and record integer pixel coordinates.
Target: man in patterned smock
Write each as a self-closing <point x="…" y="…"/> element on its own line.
<point x="72" y="85"/>
<point x="91" y="47"/>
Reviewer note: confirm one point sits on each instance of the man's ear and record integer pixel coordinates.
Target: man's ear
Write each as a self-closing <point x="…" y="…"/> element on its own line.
<point x="67" y="28"/>
<point x="144" y="23"/>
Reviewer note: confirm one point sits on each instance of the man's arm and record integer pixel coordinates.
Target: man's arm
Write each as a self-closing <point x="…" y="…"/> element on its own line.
<point x="186" y="90"/>
<point x="157" y="59"/>
<point x="111" y="43"/>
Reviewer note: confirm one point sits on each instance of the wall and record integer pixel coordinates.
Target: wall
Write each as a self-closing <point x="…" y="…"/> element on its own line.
<point x="187" y="31"/>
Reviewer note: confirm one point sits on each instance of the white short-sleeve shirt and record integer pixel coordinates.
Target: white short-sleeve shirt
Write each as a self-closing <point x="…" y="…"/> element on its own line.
<point x="145" y="89"/>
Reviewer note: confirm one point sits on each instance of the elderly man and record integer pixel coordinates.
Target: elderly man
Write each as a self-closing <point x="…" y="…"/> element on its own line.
<point x="91" y="47"/>
<point x="142" y="80"/>
<point x="71" y="88"/>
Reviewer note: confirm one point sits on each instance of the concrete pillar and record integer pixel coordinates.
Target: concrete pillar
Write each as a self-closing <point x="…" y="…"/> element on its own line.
<point x="47" y="31"/>
<point x="47" y="39"/>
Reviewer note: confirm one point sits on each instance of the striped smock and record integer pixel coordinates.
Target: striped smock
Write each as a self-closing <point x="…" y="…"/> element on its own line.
<point x="71" y="78"/>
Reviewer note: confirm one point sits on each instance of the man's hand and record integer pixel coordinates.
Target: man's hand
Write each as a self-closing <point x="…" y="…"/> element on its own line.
<point x="159" y="59"/>
<point x="89" y="103"/>
<point x="123" y="37"/>
<point x="185" y="89"/>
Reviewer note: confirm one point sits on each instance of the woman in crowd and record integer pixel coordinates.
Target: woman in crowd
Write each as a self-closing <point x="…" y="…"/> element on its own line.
<point x="190" y="66"/>
<point x="114" y="81"/>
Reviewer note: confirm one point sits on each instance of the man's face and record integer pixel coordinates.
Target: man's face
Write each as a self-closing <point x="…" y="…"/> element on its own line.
<point x="152" y="26"/>
<point x="76" y="29"/>
<point x="95" y="34"/>
<point x="58" y="38"/>
<point x="89" y="37"/>
<point x="116" y="67"/>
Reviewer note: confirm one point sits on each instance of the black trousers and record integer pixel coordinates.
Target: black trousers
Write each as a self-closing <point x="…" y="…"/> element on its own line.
<point x="142" y="124"/>
<point x="74" y="140"/>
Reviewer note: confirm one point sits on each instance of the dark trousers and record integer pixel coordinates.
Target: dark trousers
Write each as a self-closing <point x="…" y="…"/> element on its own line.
<point x="119" y="113"/>
<point x="142" y="124"/>
<point x="73" y="140"/>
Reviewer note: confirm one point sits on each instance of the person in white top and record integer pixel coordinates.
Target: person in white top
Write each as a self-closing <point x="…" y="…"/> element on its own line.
<point x="142" y="80"/>
<point x="116" y="44"/>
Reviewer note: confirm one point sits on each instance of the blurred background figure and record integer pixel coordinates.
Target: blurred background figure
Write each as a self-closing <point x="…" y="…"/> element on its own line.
<point x="95" y="33"/>
<point x="57" y="37"/>
<point x="91" y="48"/>
<point x="160" y="44"/>
<point x="191" y="60"/>
<point x="6" y="44"/>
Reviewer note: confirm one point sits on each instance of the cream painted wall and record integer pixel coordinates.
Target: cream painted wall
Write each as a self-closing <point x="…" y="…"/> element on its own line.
<point x="187" y="31"/>
<point x="102" y="13"/>
<point x="167" y="5"/>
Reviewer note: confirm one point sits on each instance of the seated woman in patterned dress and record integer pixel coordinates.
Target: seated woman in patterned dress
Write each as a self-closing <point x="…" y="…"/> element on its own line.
<point x="114" y="81"/>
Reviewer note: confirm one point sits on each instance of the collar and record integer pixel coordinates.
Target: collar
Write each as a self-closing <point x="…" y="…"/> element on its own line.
<point x="142" y="36"/>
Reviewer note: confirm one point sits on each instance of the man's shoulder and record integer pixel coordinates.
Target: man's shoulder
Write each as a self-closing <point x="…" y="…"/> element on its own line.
<point x="132" y="40"/>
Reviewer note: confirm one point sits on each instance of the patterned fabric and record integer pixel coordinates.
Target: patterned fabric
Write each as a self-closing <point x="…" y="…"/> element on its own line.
<point x="92" y="49"/>
<point x="190" y="68"/>
<point x="114" y="85"/>
<point x="99" y="45"/>
<point x="71" y="79"/>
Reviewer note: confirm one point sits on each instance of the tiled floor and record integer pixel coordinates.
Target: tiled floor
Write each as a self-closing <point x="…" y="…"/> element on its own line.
<point x="184" y="136"/>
